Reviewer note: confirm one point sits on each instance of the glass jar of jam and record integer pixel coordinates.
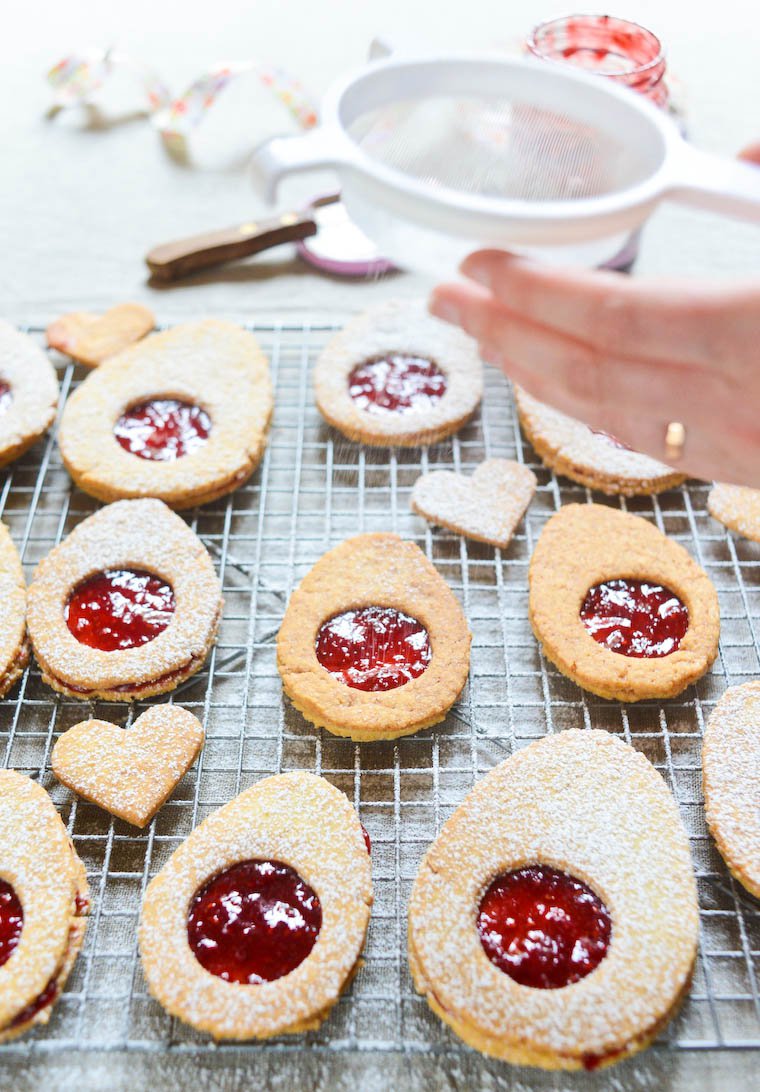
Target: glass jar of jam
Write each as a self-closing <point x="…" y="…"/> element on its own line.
<point x="614" y="48"/>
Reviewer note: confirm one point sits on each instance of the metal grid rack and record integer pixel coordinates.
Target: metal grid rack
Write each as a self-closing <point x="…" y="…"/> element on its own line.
<point x="312" y="490"/>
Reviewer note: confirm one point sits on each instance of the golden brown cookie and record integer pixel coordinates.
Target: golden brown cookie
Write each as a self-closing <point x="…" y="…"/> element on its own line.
<point x="737" y="508"/>
<point x="126" y="607"/>
<point x="181" y="416"/>
<point x="14" y="645"/>
<point x="28" y="393"/>
<point x="731" y="781"/>
<point x="589" y="457"/>
<point x="618" y="607"/>
<point x="397" y="376"/>
<point x="554" y="920"/>
<point x="486" y="507"/>
<point x="132" y="772"/>
<point x="374" y="644"/>
<point x="91" y="339"/>
<point x="288" y="855"/>
<point x="44" y="902"/>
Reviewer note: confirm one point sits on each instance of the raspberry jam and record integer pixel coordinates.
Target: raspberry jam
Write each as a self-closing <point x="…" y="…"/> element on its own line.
<point x="613" y="440"/>
<point x="254" y="922"/>
<point x="6" y="395"/>
<point x="163" y="429"/>
<point x="119" y="608"/>
<point x="47" y="997"/>
<point x="367" y="839"/>
<point x="396" y="383"/>
<point x="635" y="618"/>
<point x="543" y="928"/>
<point x="374" y="648"/>
<point x="11" y="920"/>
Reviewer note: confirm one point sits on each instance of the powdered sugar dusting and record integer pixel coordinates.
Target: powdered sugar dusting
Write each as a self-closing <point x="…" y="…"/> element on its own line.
<point x="737" y="507"/>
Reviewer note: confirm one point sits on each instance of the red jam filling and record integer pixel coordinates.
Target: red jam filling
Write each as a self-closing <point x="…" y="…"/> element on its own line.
<point x="47" y="997"/>
<point x="6" y="395"/>
<point x="613" y="440"/>
<point x="11" y="920"/>
<point x="373" y="648"/>
<point x="119" y="608"/>
<point x="543" y="928"/>
<point x="635" y="618"/>
<point x="163" y="429"/>
<point x="254" y="922"/>
<point x="396" y="383"/>
<point x="367" y="839"/>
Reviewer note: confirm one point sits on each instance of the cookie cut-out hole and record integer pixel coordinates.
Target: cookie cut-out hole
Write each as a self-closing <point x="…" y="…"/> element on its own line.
<point x="254" y="922"/>
<point x="611" y="439"/>
<point x="396" y="383"/>
<point x="542" y="927"/>
<point x="119" y="609"/>
<point x="11" y="920"/>
<point x="635" y="618"/>
<point x="163" y="429"/>
<point x="373" y="648"/>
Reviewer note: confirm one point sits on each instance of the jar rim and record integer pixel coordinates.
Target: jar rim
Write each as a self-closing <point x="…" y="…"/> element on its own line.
<point x="594" y="21"/>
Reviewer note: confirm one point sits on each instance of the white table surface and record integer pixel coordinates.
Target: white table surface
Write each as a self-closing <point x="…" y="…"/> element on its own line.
<point x="83" y="198"/>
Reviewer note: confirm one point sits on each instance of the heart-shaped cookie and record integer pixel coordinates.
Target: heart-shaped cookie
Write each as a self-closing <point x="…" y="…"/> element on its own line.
<point x="487" y="507"/>
<point x="129" y="772"/>
<point x="90" y="338"/>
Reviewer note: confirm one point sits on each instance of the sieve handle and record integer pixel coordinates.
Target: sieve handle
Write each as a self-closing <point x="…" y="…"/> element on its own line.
<point x="720" y="185"/>
<point x="275" y="158"/>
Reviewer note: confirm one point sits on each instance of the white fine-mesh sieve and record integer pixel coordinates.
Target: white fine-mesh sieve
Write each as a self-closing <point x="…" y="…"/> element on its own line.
<point x="440" y="156"/>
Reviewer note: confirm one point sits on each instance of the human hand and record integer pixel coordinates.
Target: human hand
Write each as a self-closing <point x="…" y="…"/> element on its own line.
<point x="623" y="354"/>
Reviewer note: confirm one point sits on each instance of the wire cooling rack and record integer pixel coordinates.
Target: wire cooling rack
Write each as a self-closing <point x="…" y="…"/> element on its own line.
<point x="312" y="490"/>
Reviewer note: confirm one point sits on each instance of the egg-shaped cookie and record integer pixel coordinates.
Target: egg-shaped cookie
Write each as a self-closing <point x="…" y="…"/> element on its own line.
<point x="374" y="644"/>
<point x="181" y="416"/>
<point x="620" y="608"/>
<point x="397" y="376"/>
<point x="256" y="923"/>
<point x="554" y="920"/>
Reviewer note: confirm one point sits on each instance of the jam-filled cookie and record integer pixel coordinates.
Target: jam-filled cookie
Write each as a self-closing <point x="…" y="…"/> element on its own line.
<point x="28" y="393"/>
<point x="44" y="902"/>
<point x="91" y="339"/>
<point x="397" y="376"/>
<point x="256" y="923"/>
<point x="554" y="920"/>
<point x="129" y="772"/>
<point x="486" y="507"/>
<point x="731" y="781"/>
<point x="374" y="644"/>
<point x="181" y="416"/>
<point x="14" y="645"/>
<point x="618" y="607"/>
<point x="590" y="457"/>
<point x="126" y="607"/>
<point x="737" y="508"/>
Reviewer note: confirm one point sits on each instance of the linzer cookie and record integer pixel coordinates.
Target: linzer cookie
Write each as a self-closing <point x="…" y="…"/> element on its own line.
<point x="28" y="393"/>
<point x="737" y="507"/>
<point x="374" y="644"/>
<point x="44" y="902"/>
<point x="126" y="607"/>
<point x="14" y="646"/>
<point x="591" y="458"/>
<point x="181" y="416"/>
<point x="554" y="920"/>
<point x="486" y="507"/>
<point x="618" y="607"/>
<point x="397" y="376"/>
<point x="129" y="772"/>
<point x="91" y="338"/>
<point x="731" y="781"/>
<point x="256" y="923"/>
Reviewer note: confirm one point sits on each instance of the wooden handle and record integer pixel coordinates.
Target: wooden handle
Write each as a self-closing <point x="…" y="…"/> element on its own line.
<point x="170" y="261"/>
